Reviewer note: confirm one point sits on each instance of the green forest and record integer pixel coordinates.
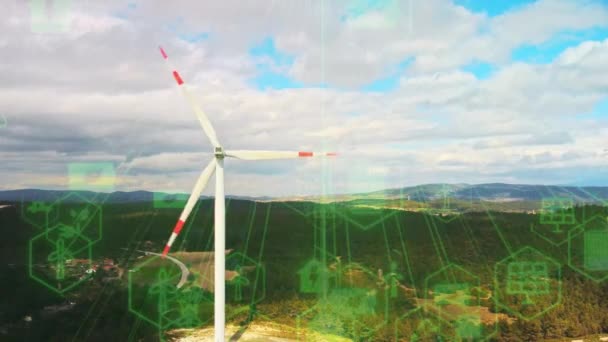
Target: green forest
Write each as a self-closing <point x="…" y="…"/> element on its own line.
<point x="381" y="274"/>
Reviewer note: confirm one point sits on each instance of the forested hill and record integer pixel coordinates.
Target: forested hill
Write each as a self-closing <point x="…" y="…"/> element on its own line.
<point x="423" y="193"/>
<point x="285" y="236"/>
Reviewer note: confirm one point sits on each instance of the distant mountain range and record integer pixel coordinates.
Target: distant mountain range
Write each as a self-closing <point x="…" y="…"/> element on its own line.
<point x="494" y="192"/>
<point x="29" y="195"/>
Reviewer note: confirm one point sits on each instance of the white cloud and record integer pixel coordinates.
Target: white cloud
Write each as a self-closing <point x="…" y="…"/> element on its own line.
<point x="102" y="92"/>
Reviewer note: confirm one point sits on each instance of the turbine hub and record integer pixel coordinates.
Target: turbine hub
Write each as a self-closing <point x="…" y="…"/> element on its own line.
<point x="219" y="152"/>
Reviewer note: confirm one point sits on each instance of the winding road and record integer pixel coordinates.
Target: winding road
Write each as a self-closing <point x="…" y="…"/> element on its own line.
<point x="185" y="271"/>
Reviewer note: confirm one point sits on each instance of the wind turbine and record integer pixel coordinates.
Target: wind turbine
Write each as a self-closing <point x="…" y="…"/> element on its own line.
<point x="217" y="165"/>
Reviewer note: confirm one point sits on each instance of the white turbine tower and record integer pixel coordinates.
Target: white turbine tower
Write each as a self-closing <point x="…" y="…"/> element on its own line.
<point x="217" y="165"/>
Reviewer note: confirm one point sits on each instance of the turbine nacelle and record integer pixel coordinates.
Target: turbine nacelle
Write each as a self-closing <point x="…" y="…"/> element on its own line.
<point x="218" y="151"/>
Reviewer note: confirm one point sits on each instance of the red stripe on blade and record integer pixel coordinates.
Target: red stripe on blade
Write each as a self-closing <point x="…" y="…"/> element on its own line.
<point x="304" y="154"/>
<point x="166" y="250"/>
<point x="162" y="52"/>
<point x="178" y="227"/>
<point x="331" y="154"/>
<point x="178" y="79"/>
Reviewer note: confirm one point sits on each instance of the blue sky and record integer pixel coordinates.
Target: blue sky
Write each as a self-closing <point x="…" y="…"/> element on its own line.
<point x="547" y="51"/>
<point x="493" y="7"/>
<point x="601" y="109"/>
<point x="391" y="81"/>
<point x="542" y="53"/>
<point x="268" y="57"/>
<point x="481" y="70"/>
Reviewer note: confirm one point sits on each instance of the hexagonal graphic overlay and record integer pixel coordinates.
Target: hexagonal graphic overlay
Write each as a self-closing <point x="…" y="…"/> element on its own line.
<point x="454" y="295"/>
<point x="443" y="203"/>
<point x="588" y="248"/>
<point x="37" y="213"/>
<point x="94" y="176"/>
<point x="363" y="217"/>
<point x="557" y="216"/>
<point x="346" y="312"/>
<point x="418" y="325"/>
<point x="60" y="264"/>
<point x="245" y="279"/>
<point x="313" y="277"/>
<point x="78" y="216"/>
<point x="304" y="208"/>
<point x="527" y="283"/>
<point x="155" y="298"/>
<point x="356" y="309"/>
<point x="41" y="19"/>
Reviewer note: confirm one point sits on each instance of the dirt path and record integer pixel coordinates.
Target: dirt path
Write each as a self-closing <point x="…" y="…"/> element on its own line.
<point x="255" y="332"/>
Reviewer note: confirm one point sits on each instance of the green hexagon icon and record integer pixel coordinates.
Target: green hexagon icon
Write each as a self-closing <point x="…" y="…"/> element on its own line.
<point x="345" y="312"/>
<point x="245" y="281"/>
<point x="444" y="206"/>
<point x="588" y="248"/>
<point x="37" y="213"/>
<point x="155" y="298"/>
<point x="313" y="277"/>
<point x="450" y="290"/>
<point x="557" y="216"/>
<point x="73" y="241"/>
<point x="356" y="309"/>
<point x="454" y="295"/>
<point x="418" y="325"/>
<point x="81" y="215"/>
<point x="62" y="264"/>
<point x="527" y="283"/>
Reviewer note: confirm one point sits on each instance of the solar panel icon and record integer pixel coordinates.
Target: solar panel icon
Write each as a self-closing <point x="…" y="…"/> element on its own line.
<point x="528" y="279"/>
<point x="557" y="211"/>
<point x="596" y="250"/>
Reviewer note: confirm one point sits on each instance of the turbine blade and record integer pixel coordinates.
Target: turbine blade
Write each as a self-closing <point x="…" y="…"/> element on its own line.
<point x="260" y="155"/>
<point x="202" y="117"/>
<point x="202" y="181"/>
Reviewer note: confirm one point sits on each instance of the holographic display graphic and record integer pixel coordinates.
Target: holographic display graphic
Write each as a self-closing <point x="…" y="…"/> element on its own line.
<point x="50" y="16"/>
<point x="596" y="250"/>
<point x="586" y="248"/>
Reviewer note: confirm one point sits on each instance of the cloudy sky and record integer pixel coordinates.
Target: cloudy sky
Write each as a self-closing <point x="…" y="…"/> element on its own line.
<point x="407" y="92"/>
